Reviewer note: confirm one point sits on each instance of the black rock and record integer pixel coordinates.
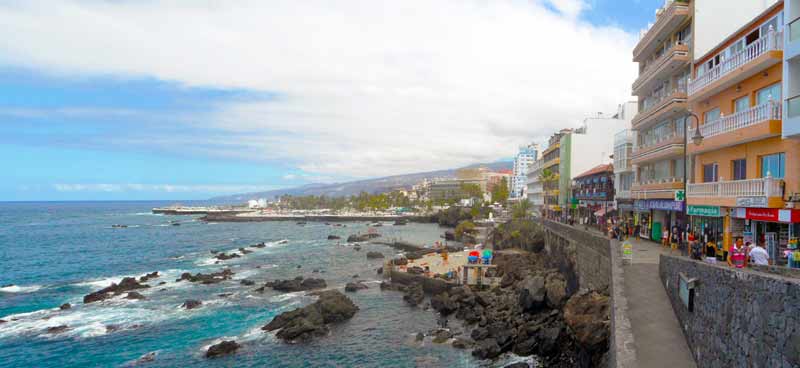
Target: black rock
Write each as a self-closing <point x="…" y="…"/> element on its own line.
<point x="487" y="349"/>
<point x="151" y="275"/>
<point x="223" y="348"/>
<point x="460" y="343"/>
<point x="191" y="304"/>
<point x="420" y="336"/>
<point x="352" y="287"/>
<point x="259" y="245"/>
<point x="65" y="306"/>
<point x="127" y="284"/>
<point x="479" y="333"/>
<point x="379" y="271"/>
<point x="57" y="329"/>
<point x="225" y="257"/>
<point x="374" y="255"/>
<point x="355" y="276"/>
<point x="297" y="284"/>
<point x="245" y="251"/>
<point x="303" y="324"/>
<point x="247" y="282"/>
<point x="333" y="237"/>
<point x="414" y="295"/>
<point x="149" y="357"/>
<point x="134" y="295"/>
<point x="207" y="279"/>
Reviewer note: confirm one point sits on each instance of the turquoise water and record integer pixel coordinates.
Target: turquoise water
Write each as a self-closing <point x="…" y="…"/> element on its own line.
<point x="55" y="253"/>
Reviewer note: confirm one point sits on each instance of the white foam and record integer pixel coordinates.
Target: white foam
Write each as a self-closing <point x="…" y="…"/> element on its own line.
<point x="20" y="289"/>
<point x="284" y="297"/>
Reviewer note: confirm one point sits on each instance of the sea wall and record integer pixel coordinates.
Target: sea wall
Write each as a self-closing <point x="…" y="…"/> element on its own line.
<point x="740" y="318"/>
<point x="583" y="257"/>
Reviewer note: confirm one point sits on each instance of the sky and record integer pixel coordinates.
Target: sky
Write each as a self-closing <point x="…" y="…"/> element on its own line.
<point x="134" y="100"/>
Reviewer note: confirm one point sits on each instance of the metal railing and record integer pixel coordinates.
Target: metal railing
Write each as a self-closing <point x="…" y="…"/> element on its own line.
<point x="659" y="61"/>
<point x="761" y="187"/>
<point x="658" y="141"/>
<point x="742" y="119"/>
<point x="652" y="101"/>
<point x="772" y="41"/>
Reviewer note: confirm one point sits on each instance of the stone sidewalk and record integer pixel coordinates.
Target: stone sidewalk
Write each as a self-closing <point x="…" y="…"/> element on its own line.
<point x="656" y="334"/>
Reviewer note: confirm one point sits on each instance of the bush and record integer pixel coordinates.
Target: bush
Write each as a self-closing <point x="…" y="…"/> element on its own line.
<point x="464" y="228"/>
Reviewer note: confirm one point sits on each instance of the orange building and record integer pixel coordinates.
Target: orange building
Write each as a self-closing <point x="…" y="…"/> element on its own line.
<point x="742" y="169"/>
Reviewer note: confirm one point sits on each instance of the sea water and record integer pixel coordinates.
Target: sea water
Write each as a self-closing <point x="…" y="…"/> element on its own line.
<point x="55" y="253"/>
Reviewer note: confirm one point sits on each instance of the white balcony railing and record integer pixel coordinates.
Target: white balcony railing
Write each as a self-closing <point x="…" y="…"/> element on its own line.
<point x="772" y="41"/>
<point x="623" y="194"/>
<point x="657" y="99"/>
<point x="667" y="53"/>
<point x="761" y="187"/>
<point x="742" y="119"/>
<point x="659" y="181"/>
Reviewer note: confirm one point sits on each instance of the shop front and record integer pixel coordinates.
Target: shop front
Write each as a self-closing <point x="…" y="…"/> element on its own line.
<point x="656" y="216"/>
<point x="708" y="223"/>
<point x="776" y="229"/>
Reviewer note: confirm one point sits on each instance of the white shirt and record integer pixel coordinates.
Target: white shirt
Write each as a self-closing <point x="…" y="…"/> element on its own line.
<point x="759" y="256"/>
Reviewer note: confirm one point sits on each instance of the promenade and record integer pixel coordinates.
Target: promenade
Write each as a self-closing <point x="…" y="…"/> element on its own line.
<point x="656" y="336"/>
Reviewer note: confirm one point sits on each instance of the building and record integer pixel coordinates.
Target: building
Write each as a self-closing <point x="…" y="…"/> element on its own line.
<point x="522" y="163"/>
<point x="451" y="189"/>
<point x="585" y="148"/>
<point x="664" y="54"/>
<point x="745" y="171"/>
<point x="495" y="178"/>
<point x="623" y="174"/>
<point x="594" y="192"/>
<point x="535" y="190"/>
<point x="551" y="165"/>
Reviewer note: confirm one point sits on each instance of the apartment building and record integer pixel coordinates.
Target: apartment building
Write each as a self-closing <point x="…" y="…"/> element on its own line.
<point x="551" y="161"/>
<point x="594" y="192"/>
<point x="535" y="189"/>
<point x="522" y="163"/>
<point x="623" y="173"/>
<point x="745" y="169"/>
<point x="664" y="54"/>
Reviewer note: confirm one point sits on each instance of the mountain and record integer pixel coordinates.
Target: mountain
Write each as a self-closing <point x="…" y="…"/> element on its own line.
<point x="376" y="185"/>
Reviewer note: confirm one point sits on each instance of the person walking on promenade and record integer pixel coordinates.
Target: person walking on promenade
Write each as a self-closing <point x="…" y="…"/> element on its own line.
<point x="759" y="255"/>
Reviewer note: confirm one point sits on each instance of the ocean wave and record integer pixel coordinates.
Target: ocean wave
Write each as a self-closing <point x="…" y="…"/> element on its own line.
<point x="20" y="289"/>
<point x="99" y="283"/>
<point x="287" y="296"/>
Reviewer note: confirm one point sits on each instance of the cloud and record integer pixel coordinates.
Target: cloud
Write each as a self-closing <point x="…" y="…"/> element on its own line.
<point x="168" y="188"/>
<point x="290" y="177"/>
<point x="365" y="88"/>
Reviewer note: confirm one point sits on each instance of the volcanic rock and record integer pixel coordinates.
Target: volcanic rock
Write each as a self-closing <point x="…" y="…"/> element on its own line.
<point x="352" y="287"/>
<point x="587" y="316"/>
<point x="443" y="304"/>
<point x="245" y="251"/>
<point x="224" y="348"/>
<point x="487" y="349"/>
<point x="151" y="275"/>
<point x="134" y="295"/>
<point x="65" y="306"/>
<point x="297" y="284"/>
<point x="334" y="237"/>
<point x="532" y="293"/>
<point x="191" y="304"/>
<point x="374" y="255"/>
<point x="247" y="282"/>
<point x="303" y="324"/>
<point x="127" y="284"/>
<point x="207" y="279"/>
<point x="460" y="343"/>
<point x="57" y="329"/>
<point x="259" y="245"/>
<point x="414" y="295"/>
<point x="225" y="256"/>
<point x="556" y="290"/>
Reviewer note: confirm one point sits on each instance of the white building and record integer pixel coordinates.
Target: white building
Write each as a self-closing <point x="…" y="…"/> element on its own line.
<point x="535" y="190"/>
<point x="522" y="163"/>
<point x="623" y="170"/>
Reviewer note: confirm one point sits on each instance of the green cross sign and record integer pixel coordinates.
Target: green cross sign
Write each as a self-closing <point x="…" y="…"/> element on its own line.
<point x="680" y="195"/>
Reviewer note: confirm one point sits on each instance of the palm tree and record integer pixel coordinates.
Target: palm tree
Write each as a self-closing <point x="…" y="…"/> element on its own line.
<point x="521" y="210"/>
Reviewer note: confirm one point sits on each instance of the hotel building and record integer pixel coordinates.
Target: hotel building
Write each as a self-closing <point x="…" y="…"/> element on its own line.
<point x="664" y="55"/>
<point x="745" y="170"/>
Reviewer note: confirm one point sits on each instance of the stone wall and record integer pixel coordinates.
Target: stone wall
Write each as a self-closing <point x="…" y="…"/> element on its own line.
<point x="741" y="318"/>
<point x="584" y="257"/>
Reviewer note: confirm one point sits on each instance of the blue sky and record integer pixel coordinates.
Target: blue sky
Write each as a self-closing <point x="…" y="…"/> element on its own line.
<point x="99" y="120"/>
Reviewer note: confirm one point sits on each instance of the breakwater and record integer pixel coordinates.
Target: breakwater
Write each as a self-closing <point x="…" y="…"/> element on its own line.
<point x="736" y="317"/>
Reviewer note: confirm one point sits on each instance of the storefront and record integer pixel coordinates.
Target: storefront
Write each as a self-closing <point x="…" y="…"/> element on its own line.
<point x="708" y="225"/>
<point x="656" y="216"/>
<point x="776" y="229"/>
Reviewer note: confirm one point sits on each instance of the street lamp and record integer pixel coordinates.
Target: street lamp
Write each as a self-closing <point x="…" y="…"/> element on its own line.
<point x="697" y="139"/>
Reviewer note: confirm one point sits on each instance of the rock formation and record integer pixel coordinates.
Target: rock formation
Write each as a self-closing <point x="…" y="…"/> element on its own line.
<point x="311" y="321"/>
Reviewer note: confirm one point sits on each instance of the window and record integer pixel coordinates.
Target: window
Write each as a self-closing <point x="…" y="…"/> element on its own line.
<point x="739" y="169"/>
<point x="773" y="165"/>
<point x="712" y="115"/>
<point x="710" y="173"/>
<point x="741" y="104"/>
<point x="771" y="93"/>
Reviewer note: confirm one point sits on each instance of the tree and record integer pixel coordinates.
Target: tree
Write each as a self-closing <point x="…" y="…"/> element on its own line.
<point x="521" y="210"/>
<point x="471" y="190"/>
<point x="500" y="191"/>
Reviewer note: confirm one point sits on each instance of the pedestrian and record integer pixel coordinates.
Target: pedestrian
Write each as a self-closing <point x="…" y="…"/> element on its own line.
<point x="759" y="255"/>
<point x="696" y="247"/>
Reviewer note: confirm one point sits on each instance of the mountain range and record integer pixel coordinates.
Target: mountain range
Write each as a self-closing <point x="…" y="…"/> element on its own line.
<point x="376" y="185"/>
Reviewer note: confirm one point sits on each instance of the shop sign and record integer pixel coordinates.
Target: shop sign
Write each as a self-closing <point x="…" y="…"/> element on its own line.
<point x="657" y="204"/>
<point x="751" y="201"/>
<point x="709" y="211"/>
<point x="762" y="214"/>
<point x="680" y="195"/>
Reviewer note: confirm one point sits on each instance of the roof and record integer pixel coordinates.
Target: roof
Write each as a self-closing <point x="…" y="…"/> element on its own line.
<point x="597" y="170"/>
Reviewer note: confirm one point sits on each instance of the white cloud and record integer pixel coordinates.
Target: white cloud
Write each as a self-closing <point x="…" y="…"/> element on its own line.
<point x="290" y="177"/>
<point x="168" y="188"/>
<point x="367" y="88"/>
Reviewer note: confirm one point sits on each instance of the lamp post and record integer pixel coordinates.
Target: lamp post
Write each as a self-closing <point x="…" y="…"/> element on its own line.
<point x="697" y="139"/>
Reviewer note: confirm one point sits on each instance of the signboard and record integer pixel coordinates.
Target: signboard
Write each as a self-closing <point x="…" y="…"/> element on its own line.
<point x="680" y="195"/>
<point x="657" y="204"/>
<point x="686" y="291"/>
<point x="708" y="211"/>
<point x="751" y="201"/>
<point x="627" y="251"/>
<point x="762" y="214"/>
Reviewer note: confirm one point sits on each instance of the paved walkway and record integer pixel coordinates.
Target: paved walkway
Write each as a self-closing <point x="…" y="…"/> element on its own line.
<point x="657" y="336"/>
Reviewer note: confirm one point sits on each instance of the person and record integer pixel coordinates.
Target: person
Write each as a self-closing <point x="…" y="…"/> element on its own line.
<point x="665" y="238"/>
<point x="696" y="247"/>
<point x="738" y="255"/>
<point x="759" y="255"/>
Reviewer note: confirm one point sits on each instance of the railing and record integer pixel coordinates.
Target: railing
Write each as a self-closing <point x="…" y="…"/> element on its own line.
<point x="661" y="13"/>
<point x="656" y="100"/>
<point x="659" y="181"/>
<point x="658" y="141"/>
<point x="660" y="60"/>
<point x="742" y="119"/>
<point x="624" y="137"/>
<point x="761" y="187"/>
<point x="772" y="41"/>
<point x="623" y="194"/>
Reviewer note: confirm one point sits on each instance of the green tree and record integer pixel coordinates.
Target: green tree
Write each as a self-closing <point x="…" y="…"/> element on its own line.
<point x="500" y="191"/>
<point x="471" y="190"/>
<point x="521" y="210"/>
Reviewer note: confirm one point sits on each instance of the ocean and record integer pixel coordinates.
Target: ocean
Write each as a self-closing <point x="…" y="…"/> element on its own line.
<point x="57" y="252"/>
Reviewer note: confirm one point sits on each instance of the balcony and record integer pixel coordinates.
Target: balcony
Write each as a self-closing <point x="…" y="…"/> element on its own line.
<point x="623" y="194"/>
<point x="667" y="20"/>
<point x="624" y="137"/>
<point x="757" y="122"/>
<point x="597" y="196"/>
<point x="761" y="192"/>
<point x="759" y="55"/>
<point x="656" y="188"/>
<point x="551" y="163"/>
<point x="661" y="69"/>
<point x="552" y="148"/>
<point x="661" y="106"/>
<point x="663" y="147"/>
